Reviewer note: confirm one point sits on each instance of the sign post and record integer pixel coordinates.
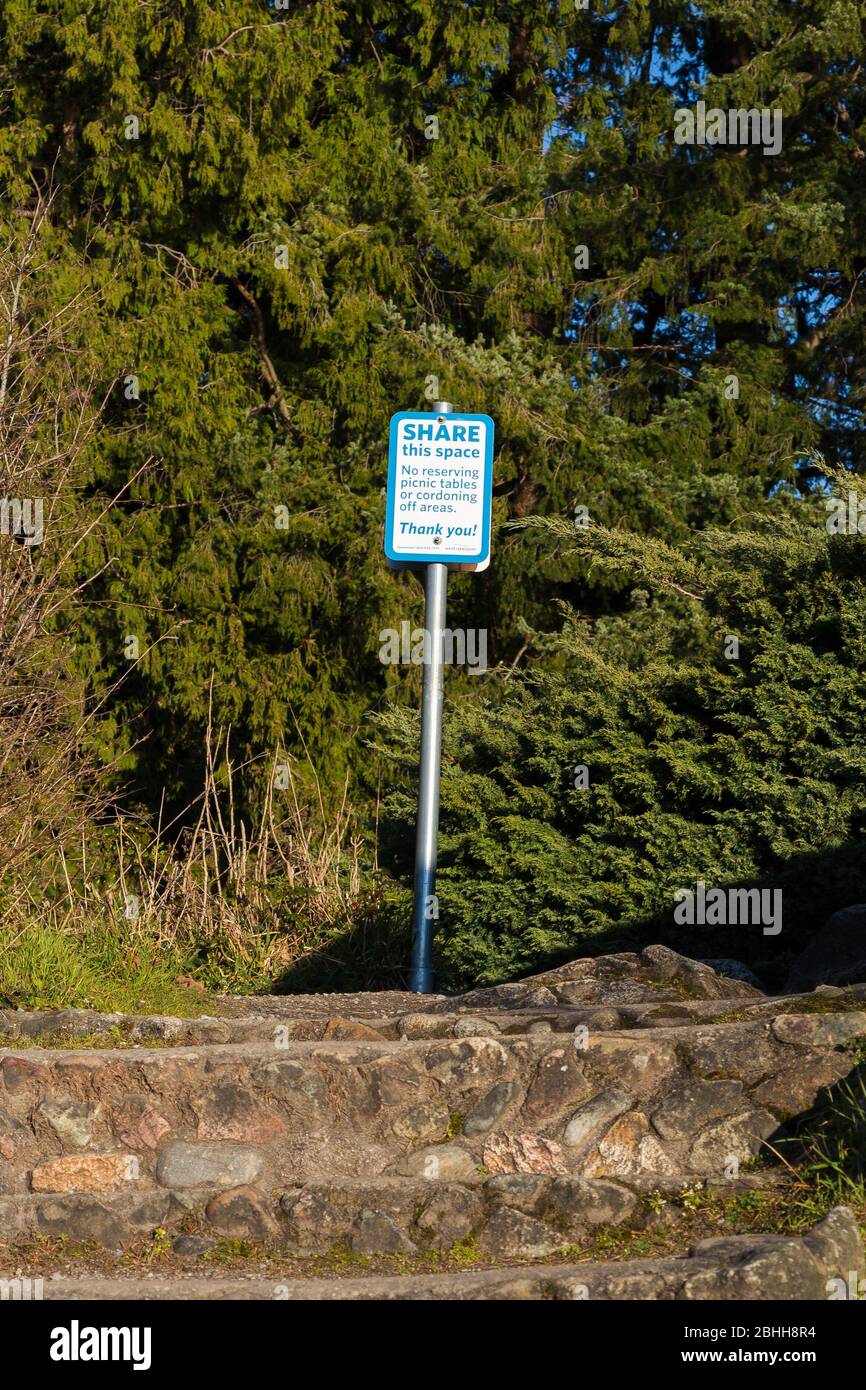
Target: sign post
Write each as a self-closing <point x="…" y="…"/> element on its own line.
<point x="440" y="474"/>
<point x="424" y="907"/>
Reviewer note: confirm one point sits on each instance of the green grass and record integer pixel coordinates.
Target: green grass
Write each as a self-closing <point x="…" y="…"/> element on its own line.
<point x="231" y="1252"/>
<point x="108" y="968"/>
<point x="834" y="1164"/>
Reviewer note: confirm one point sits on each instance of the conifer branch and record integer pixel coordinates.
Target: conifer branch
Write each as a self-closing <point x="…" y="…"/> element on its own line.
<point x="208" y="53"/>
<point x="643" y="557"/>
<point x="268" y="370"/>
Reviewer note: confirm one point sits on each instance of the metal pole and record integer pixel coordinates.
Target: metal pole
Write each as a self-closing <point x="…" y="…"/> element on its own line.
<point x="424" y="907"/>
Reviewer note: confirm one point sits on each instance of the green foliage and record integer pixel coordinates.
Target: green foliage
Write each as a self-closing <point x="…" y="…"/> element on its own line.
<point x="745" y="770"/>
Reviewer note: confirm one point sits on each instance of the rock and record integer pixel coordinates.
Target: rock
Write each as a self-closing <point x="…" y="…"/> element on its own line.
<point x="646" y="1284"/>
<point x="439" y="1161"/>
<point x="578" y="1203"/>
<point x="836" y="1245"/>
<point x="794" y="1089"/>
<point x="78" y="1067"/>
<point x="665" y="964"/>
<point x="241" y="1214"/>
<point x="390" y="1079"/>
<point x="526" y="995"/>
<point x="467" y="1061"/>
<point x="20" y="1075"/>
<point x="207" y="1165"/>
<point x="82" y="1218"/>
<point x="66" y="1022"/>
<point x="301" y="1088"/>
<point x="139" y="1125"/>
<point x="524" y="1153"/>
<point x="475" y="1028"/>
<point x="689" y="1109"/>
<point x="83" y="1173"/>
<point x="290" y="1198"/>
<point x="744" y="1051"/>
<point x="488" y="1110"/>
<point x="230" y="1112"/>
<point x="608" y="981"/>
<point x="558" y="1083"/>
<point x="513" y="1235"/>
<point x="191" y="1245"/>
<point x="734" y="970"/>
<point x="736" y="1137"/>
<point x="376" y="1234"/>
<point x="630" y="1150"/>
<point x="153" y="1027"/>
<point x="314" y="1222"/>
<point x="523" y="1190"/>
<point x="663" y="1218"/>
<point x="354" y="1087"/>
<point x="71" y="1120"/>
<point x="763" y="1267"/>
<point x="347" y="1030"/>
<point x="590" y="1120"/>
<point x="415" y="1026"/>
<point x="208" y="1030"/>
<point x="449" y="1216"/>
<point x="836" y="955"/>
<point x="14" y="1137"/>
<point x="151" y="1209"/>
<point x="519" y="997"/>
<point x="425" y="1121"/>
<point x="17" y="1221"/>
<point x="695" y="979"/>
<point x="819" y="1030"/>
<point x="604" y="1020"/>
<point x="10" y="1182"/>
<point x="634" y="1064"/>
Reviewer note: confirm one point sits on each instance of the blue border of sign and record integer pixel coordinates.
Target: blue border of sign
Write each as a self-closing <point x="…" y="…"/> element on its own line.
<point x="487" y="500"/>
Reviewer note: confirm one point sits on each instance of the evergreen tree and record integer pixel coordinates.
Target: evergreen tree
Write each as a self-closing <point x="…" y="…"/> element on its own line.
<point x="711" y="733"/>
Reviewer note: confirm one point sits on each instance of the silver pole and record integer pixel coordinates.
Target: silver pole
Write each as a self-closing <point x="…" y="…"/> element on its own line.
<point x="424" y="906"/>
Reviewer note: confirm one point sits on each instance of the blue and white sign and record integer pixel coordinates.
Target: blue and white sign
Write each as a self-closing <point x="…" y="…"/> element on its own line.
<point x="440" y="476"/>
